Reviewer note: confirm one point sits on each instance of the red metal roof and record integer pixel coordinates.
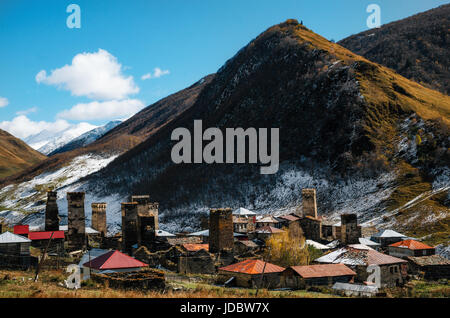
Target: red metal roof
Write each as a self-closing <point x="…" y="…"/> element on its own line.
<point x="412" y="245"/>
<point x="252" y="267"/>
<point x="289" y="217"/>
<point x="21" y="229"/>
<point x="114" y="260"/>
<point x="196" y="247"/>
<point x="45" y="235"/>
<point x="325" y="270"/>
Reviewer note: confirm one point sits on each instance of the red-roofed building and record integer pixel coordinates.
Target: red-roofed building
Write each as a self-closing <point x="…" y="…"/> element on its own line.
<point x="253" y="273"/>
<point x="40" y="240"/>
<point x="265" y="232"/>
<point x="22" y="230"/>
<point x="195" y="247"/>
<point x="299" y="277"/>
<point x="407" y="248"/>
<point x="114" y="261"/>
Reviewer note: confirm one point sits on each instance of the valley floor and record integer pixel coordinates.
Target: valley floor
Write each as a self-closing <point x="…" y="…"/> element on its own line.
<point x="20" y="284"/>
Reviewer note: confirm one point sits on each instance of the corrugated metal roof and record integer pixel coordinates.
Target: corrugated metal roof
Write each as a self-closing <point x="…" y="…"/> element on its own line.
<point x="317" y="245"/>
<point x="34" y="236"/>
<point x="206" y="233"/>
<point x="252" y="267"/>
<point x="355" y="287"/>
<point x="412" y="245"/>
<point x="21" y="229"/>
<point x="429" y="260"/>
<point x="367" y="242"/>
<point x="268" y="230"/>
<point x="88" y="230"/>
<point x="325" y="270"/>
<point x="388" y="233"/>
<point x="196" y="247"/>
<point x="355" y="256"/>
<point x="243" y="211"/>
<point x="8" y="237"/>
<point x="162" y="233"/>
<point x="114" y="260"/>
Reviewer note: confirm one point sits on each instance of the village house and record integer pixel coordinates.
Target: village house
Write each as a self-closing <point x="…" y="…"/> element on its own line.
<point x="393" y="270"/>
<point x="263" y="233"/>
<point x="41" y="239"/>
<point x="252" y="274"/>
<point x="196" y="260"/>
<point x="244" y="221"/>
<point x="367" y="242"/>
<point x="432" y="267"/>
<point x="298" y="277"/>
<point x="267" y="220"/>
<point x="244" y="247"/>
<point x="113" y="261"/>
<point x="387" y="237"/>
<point x="15" y="251"/>
<point x="406" y="248"/>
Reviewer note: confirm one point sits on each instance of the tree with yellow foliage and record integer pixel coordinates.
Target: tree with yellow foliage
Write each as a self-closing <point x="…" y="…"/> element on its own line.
<point x="287" y="248"/>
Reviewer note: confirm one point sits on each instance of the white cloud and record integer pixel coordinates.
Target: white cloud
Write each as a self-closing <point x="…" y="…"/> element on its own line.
<point x="27" y="111"/>
<point x="157" y="72"/>
<point x="95" y="75"/>
<point x="22" y="127"/>
<point x="3" y="101"/>
<point x="112" y="109"/>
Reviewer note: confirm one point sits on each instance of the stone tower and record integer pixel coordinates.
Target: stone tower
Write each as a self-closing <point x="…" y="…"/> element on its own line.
<point x="350" y="231"/>
<point x="99" y="217"/>
<point x="129" y="226"/>
<point x="51" y="212"/>
<point x="76" y="220"/>
<point x="309" y="203"/>
<point x="146" y="208"/>
<point x="220" y="230"/>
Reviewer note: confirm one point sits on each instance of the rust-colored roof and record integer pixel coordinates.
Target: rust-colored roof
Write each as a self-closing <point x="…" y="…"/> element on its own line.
<point x="289" y="217"/>
<point x="268" y="229"/>
<point x="114" y="260"/>
<point x="196" y="247"/>
<point x="412" y="245"/>
<point x="252" y="267"/>
<point x="325" y="270"/>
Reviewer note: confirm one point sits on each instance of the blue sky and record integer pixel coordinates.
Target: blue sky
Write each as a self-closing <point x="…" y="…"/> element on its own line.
<point x="188" y="39"/>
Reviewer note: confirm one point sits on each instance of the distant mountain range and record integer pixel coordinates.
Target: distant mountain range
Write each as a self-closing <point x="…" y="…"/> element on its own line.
<point x="16" y="155"/>
<point x="86" y="138"/>
<point x="47" y="141"/>
<point x="415" y="47"/>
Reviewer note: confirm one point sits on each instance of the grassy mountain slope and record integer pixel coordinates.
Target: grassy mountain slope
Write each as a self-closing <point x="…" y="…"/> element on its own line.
<point x="345" y="124"/>
<point x="415" y="47"/>
<point x="15" y="155"/>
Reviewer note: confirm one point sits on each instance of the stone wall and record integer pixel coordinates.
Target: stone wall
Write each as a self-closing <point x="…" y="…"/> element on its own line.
<point x="350" y="231"/>
<point x="76" y="221"/>
<point x="129" y="226"/>
<point x="99" y="217"/>
<point x="148" y="279"/>
<point x="220" y="230"/>
<point x="51" y="212"/>
<point x="146" y="208"/>
<point x="309" y="202"/>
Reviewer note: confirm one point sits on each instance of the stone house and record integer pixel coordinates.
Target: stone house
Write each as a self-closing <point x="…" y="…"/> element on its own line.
<point x="393" y="270"/>
<point x="15" y="251"/>
<point x="298" y="277"/>
<point x="407" y="248"/>
<point x="252" y="274"/>
<point x="433" y="267"/>
<point x="388" y="237"/>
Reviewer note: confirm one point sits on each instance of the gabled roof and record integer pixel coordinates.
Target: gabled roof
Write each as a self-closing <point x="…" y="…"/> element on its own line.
<point x="114" y="260"/>
<point x="9" y="237"/>
<point x="267" y="219"/>
<point x="412" y="245"/>
<point x="243" y="211"/>
<point x="162" y="233"/>
<point x="91" y="254"/>
<point x="367" y="242"/>
<point x="268" y="230"/>
<point x="317" y="245"/>
<point x="356" y="256"/>
<point x="325" y="270"/>
<point x="289" y="217"/>
<point x="34" y="236"/>
<point x="388" y="233"/>
<point x="195" y="247"/>
<point x="252" y="267"/>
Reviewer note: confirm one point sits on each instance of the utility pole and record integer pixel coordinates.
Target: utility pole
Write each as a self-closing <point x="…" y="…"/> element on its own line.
<point x="43" y="258"/>
<point x="262" y="274"/>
